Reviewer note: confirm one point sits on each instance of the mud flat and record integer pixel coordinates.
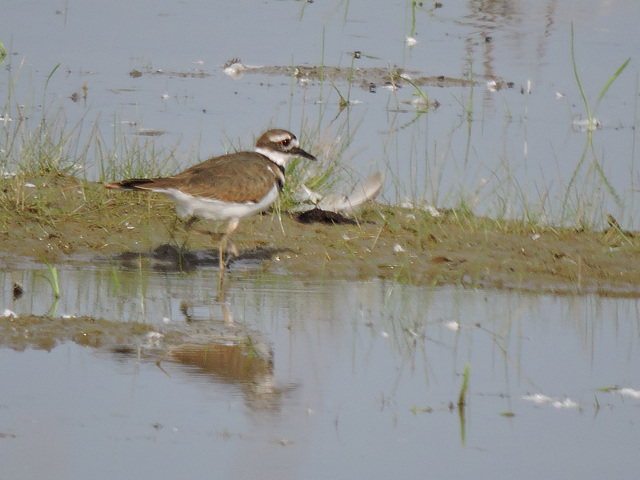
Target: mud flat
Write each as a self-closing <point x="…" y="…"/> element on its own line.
<point x="65" y="219"/>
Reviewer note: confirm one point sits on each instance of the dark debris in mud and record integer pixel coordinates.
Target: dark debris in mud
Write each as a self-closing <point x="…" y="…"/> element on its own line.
<point x="316" y="215"/>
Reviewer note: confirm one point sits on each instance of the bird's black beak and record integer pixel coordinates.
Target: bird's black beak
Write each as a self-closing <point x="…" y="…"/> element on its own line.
<point x="301" y="153"/>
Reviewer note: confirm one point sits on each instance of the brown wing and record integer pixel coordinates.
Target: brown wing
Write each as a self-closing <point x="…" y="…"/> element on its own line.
<point x="243" y="177"/>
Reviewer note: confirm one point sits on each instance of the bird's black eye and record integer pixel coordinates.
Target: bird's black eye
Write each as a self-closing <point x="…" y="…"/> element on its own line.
<point x="285" y="142"/>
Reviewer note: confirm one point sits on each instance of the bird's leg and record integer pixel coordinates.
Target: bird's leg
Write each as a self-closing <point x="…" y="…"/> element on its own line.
<point x="187" y="227"/>
<point x="189" y="223"/>
<point x="231" y="227"/>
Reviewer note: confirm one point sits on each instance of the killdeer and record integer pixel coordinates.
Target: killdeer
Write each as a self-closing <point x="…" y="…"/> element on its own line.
<point x="228" y="187"/>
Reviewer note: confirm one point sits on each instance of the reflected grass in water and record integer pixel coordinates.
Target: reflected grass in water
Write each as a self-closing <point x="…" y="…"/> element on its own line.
<point x="348" y="355"/>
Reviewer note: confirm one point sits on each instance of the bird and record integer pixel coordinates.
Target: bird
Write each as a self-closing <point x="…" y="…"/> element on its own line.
<point x="228" y="187"/>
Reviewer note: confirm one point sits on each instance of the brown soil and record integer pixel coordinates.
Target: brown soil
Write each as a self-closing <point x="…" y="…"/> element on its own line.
<point x="63" y="219"/>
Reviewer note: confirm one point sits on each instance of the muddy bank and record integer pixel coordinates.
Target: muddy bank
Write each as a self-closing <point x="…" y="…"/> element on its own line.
<point x="63" y="219"/>
<point x="66" y="220"/>
<point x="366" y="78"/>
<point x="228" y="353"/>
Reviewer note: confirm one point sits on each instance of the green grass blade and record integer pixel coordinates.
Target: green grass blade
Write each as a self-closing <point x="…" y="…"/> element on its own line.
<point x="612" y="79"/>
<point x="465" y="384"/>
<point x="53" y="280"/>
<point x="575" y="73"/>
<point x="51" y="75"/>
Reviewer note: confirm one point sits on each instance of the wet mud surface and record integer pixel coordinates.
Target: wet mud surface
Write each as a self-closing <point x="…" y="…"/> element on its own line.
<point x="230" y="353"/>
<point x="68" y="220"/>
<point x="366" y="78"/>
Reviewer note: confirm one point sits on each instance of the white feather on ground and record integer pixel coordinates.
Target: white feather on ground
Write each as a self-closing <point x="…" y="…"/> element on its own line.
<point x="347" y="203"/>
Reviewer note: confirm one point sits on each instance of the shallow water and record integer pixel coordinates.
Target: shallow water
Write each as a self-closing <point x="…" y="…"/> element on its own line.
<point x="365" y="382"/>
<point x="525" y="142"/>
<point x="366" y="375"/>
